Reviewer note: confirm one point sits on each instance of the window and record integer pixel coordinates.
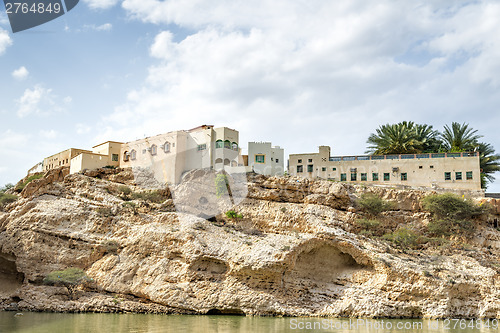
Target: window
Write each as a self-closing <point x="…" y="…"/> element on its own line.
<point x="468" y="175"/>
<point x="404" y="176"/>
<point x="387" y="176"/>
<point x="310" y="160"/>
<point x="166" y="147"/>
<point x="227" y="144"/>
<point x="364" y="177"/>
<point x="277" y="160"/>
<point x="447" y="176"/>
<point x="154" y="150"/>
<point x="260" y="158"/>
<point x="219" y="144"/>
<point x="310" y="168"/>
<point x="374" y="176"/>
<point x="202" y="147"/>
<point x="432" y="166"/>
<point x="114" y="157"/>
<point x="353" y="176"/>
<point x="420" y="167"/>
<point x="299" y="168"/>
<point x="334" y="169"/>
<point x="126" y="156"/>
<point x="458" y="175"/>
<point x="234" y="146"/>
<point x="299" y="161"/>
<point x="343" y="177"/>
<point x="133" y="155"/>
<point x="323" y="169"/>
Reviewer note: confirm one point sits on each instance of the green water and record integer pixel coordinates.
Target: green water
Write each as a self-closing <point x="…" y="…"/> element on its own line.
<point x="82" y="323"/>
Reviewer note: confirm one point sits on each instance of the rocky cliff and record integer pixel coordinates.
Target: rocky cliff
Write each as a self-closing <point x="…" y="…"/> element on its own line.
<point x="296" y="249"/>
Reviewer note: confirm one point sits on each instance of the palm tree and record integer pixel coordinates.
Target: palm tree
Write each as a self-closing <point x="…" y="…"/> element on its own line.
<point x="488" y="162"/>
<point x="460" y="137"/>
<point x="403" y="138"/>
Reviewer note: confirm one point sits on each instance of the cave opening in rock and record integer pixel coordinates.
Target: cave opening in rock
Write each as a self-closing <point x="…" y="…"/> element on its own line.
<point x="10" y="278"/>
<point x="225" y="312"/>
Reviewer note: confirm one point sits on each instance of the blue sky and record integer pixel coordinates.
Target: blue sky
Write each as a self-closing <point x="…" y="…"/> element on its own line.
<point x="299" y="74"/>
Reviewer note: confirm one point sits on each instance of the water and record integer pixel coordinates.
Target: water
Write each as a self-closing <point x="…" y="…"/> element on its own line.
<point x="90" y="322"/>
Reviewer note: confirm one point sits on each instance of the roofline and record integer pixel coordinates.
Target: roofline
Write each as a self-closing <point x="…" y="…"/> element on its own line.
<point x="107" y="142"/>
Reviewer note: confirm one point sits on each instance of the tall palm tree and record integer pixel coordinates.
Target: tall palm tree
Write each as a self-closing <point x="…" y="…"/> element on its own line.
<point x="489" y="163"/>
<point x="403" y="138"/>
<point x="460" y="137"/>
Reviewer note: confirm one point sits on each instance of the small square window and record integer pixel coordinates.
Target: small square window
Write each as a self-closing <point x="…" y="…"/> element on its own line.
<point x="334" y="169"/>
<point x="323" y="169"/>
<point x="300" y="168"/>
<point x="310" y="168"/>
<point x="114" y="157"/>
<point x="404" y="176"/>
<point x="432" y="166"/>
<point x="260" y="158"/>
<point x="420" y="167"/>
<point x="458" y="175"/>
<point x="353" y="176"/>
<point x="387" y="176"/>
<point x="310" y="160"/>
<point x="364" y="177"/>
<point x="447" y="176"/>
<point x="299" y="161"/>
<point x="468" y="175"/>
<point x="277" y="160"/>
<point x="375" y="176"/>
<point x="343" y="177"/>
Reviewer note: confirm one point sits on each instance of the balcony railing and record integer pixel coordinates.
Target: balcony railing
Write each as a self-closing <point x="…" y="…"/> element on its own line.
<point x="401" y="157"/>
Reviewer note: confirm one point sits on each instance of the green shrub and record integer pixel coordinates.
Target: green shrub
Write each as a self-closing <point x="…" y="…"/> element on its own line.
<point x="451" y="206"/>
<point x="233" y="215"/>
<point x="6" y="187"/>
<point x="69" y="278"/>
<point x="6" y="199"/>
<point x="28" y="180"/>
<point x="373" y="204"/>
<point x="157" y="196"/>
<point x="447" y="227"/>
<point x="367" y="224"/>
<point x="404" y="238"/>
<point x="125" y="190"/>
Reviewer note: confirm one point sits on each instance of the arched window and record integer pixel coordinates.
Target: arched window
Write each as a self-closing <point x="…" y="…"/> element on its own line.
<point x="227" y="144"/>
<point x="219" y="144"/>
<point x="126" y="156"/>
<point x="234" y="163"/>
<point x="154" y="150"/>
<point x="133" y="155"/>
<point x="166" y="147"/>
<point x="218" y="161"/>
<point x="234" y="146"/>
<point x="226" y="161"/>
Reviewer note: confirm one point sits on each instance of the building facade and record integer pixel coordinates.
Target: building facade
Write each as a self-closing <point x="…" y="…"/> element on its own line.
<point x="458" y="171"/>
<point x="265" y="159"/>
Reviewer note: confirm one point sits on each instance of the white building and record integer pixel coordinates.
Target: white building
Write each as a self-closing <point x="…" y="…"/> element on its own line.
<point x="265" y="159"/>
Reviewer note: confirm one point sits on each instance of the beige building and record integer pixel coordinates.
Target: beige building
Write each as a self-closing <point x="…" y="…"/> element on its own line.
<point x="265" y="159"/>
<point x="61" y="159"/>
<point x="104" y="154"/>
<point x="458" y="171"/>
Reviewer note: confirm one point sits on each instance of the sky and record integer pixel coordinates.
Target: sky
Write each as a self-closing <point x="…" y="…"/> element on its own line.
<point x="297" y="73"/>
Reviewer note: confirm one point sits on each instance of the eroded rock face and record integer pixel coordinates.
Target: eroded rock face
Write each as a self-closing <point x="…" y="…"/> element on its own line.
<point x="290" y="254"/>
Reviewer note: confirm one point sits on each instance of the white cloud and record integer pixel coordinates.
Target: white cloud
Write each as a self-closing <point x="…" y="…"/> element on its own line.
<point x="102" y="27"/>
<point x="20" y="74"/>
<point x="39" y="101"/>
<point x="101" y="4"/>
<point x="48" y="134"/>
<point x="5" y="40"/>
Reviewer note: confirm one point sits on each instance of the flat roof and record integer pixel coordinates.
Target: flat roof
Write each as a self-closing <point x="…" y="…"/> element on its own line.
<point x="107" y="142"/>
